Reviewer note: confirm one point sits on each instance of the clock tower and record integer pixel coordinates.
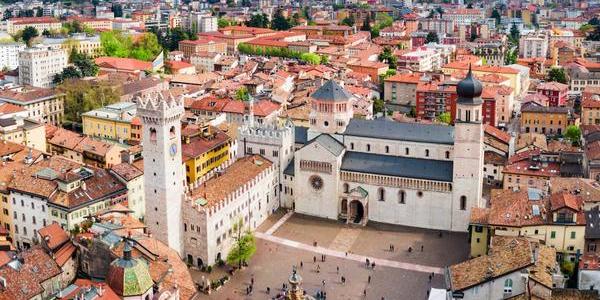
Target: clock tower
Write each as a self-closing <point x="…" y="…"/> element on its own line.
<point x="163" y="168"/>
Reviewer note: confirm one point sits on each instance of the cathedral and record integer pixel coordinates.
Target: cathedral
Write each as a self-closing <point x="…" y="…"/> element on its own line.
<point x="340" y="168"/>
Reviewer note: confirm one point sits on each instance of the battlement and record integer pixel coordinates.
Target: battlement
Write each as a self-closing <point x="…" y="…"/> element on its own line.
<point x="157" y="106"/>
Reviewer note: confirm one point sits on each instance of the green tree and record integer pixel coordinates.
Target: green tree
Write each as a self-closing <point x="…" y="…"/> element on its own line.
<point x="378" y="106"/>
<point x="86" y="65"/>
<point x="366" y="26"/>
<point x="594" y="35"/>
<point x="116" y="44"/>
<point x="473" y="35"/>
<point x="73" y="27"/>
<point x="7" y="15"/>
<point x="348" y="21"/>
<point x="558" y="75"/>
<point x="223" y="22"/>
<point x="594" y="21"/>
<point x="67" y="73"/>
<point x="258" y="20"/>
<point x="39" y="12"/>
<point x="496" y="15"/>
<point x="440" y="11"/>
<point x="46" y="32"/>
<point x="388" y="57"/>
<point x="514" y="35"/>
<point x="280" y="22"/>
<point x="573" y="134"/>
<point x="311" y="58"/>
<point x="242" y="94"/>
<point x="244" y="247"/>
<point x="29" y="33"/>
<point x="324" y="59"/>
<point x="445" y="117"/>
<point x="432" y="37"/>
<point x="511" y="56"/>
<point x="147" y="48"/>
<point x="117" y="9"/>
<point x="86" y="95"/>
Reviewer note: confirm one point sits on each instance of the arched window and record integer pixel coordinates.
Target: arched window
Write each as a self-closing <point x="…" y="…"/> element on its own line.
<point x="448" y="154"/>
<point x="381" y="194"/>
<point x="387" y="149"/>
<point x="406" y="151"/>
<point x="369" y="147"/>
<point x="426" y="152"/>
<point x="351" y="146"/>
<point x="463" y="202"/>
<point x="184" y="226"/>
<point x="508" y="283"/>
<point x="172" y="132"/>
<point x="402" y="197"/>
<point x="346" y="188"/>
<point x="153" y="134"/>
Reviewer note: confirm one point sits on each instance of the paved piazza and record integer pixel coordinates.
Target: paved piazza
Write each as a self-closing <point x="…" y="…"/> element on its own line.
<point x="398" y="275"/>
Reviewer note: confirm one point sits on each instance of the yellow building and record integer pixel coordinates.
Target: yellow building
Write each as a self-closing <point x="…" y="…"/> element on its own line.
<point x="549" y="120"/>
<point x="90" y="46"/>
<point x="203" y="148"/>
<point x="558" y="221"/>
<point x="112" y="122"/>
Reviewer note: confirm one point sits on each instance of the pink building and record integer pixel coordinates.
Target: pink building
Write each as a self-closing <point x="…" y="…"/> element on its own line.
<point x="555" y="91"/>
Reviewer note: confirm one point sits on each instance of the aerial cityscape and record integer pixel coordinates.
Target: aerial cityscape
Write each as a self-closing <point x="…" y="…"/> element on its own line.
<point x="277" y="149"/>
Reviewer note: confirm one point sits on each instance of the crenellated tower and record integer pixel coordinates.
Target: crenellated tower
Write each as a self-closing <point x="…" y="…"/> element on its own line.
<point x="164" y="177"/>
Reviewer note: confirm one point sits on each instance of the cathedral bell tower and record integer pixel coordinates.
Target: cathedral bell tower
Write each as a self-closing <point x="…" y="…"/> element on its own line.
<point x="163" y="169"/>
<point x="330" y="110"/>
<point x="468" y="152"/>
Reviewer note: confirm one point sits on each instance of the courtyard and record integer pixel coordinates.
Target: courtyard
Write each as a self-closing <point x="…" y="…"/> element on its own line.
<point x="285" y="241"/>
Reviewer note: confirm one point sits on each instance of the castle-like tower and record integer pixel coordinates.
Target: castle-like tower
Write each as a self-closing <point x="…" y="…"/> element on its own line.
<point x="164" y="176"/>
<point x="468" y="152"/>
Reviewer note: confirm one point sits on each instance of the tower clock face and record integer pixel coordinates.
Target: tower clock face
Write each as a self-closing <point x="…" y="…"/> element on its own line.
<point x="316" y="182"/>
<point x="173" y="149"/>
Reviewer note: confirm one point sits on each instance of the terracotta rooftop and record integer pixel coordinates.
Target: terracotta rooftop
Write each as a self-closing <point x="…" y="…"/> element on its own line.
<point x="564" y="199"/>
<point x="553" y="86"/>
<point x="513" y="256"/>
<point x="25" y="283"/>
<point x="126" y="171"/>
<point x="587" y="189"/>
<point x="127" y="64"/>
<point x="8" y="108"/>
<point x="497" y="133"/>
<point x="199" y="145"/>
<point x="235" y="176"/>
<point x="405" y="78"/>
<point x="53" y="235"/>
<point x="27" y="95"/>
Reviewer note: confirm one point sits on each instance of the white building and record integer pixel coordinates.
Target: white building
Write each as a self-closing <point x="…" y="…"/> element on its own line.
<point x="9" y="55"/>
<point x="133" y="178"/>
<point x="38" y="65"/>
<point x="164" y="175"/>
<point x="361" y="170"/>
<point x="534" y="44"/>
<point x="203" y="22"/>
<point x="420" y="60"/>
<point x="205" y="61"/>
<point x="464" y="16"/>
<point x="246" y="192"/>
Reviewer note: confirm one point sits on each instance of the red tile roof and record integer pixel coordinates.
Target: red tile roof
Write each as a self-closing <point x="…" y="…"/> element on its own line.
<point x="128" y="64"/>
<point x="497" y="133"/>
<point x="8" y="108"/>
<point x="405" y="78"/>
<point x="565" y="199"/>
<point x="553" y="86"/>
<point x="54" y="235"/>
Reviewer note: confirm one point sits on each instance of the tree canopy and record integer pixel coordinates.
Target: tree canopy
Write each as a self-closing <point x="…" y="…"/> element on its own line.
<point x="496" y="15"/>
<point x="573" y="134"/>
<point x="558" y="75"/>
<point x="242" y="94"/>
<point x="279" y="22"/>
<point x="116" y="44"/>
<point x="311" y="58"/>
<point x="82" y="66"/>
<point x="86" y="95"/>
<point x="387" y="56"/>
<point x="432" y="37"/>
<point x="348" y="21"/>
<point x="259" y="20"/>
<point x="29" y="33"/>
<point x="244" y="246"/>
<point x="445" y="117"/>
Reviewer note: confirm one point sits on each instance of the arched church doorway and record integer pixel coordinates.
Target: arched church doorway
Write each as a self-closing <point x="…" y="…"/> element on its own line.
<point x="344" y="208"/>
<point x="200" y="262"/>
<point x="357" y="211"/>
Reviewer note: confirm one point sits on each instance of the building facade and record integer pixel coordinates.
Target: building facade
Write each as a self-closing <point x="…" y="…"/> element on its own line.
<point x="37" y="66"/>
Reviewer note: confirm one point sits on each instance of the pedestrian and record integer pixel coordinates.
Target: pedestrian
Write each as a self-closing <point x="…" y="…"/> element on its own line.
<point x="429" y="277"/>
<point x="409" y="249"/>
<point x="346" y="253"/>
<point x="440" y="234"/>
<point x="252" y="280"/>
<point x="314" y="259"/>
<point x="432" y="275"/>
<point x="247" y="291"/>
<point x="369" y="279"/>
<point x="365" y="292"/>
<point x="268" y="290"/>
<point x="322" y="258"/>
<point x="421" y="248"/>
<point x="318" y="268"/>
<point x="337" y="269"/>
<point x="323" y="281"/>
<point x="373" y="265"/>
<point x="368" y="263"/>
<point x="301" y="264"/>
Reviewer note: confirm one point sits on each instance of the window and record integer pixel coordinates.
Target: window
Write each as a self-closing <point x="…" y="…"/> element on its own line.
<point x="153" y="134"/>
<point x="346" y="188"/>
<point x="387" y="149"/>
<point x="381" y="194"/>
<point x="553" y="234"/>
<point x="448" y="154"/>
<point x="572" y="234"/>
<point x="172" y="132"/>
<point x="508" y="283"/>
<point x="463" y="202"/>
<point x="351" y="146"/>
<point x="406" y="151"/>
<point x="368" y="147"/>
<point x="402" y="197"/>
<point x="426" y="152"/>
